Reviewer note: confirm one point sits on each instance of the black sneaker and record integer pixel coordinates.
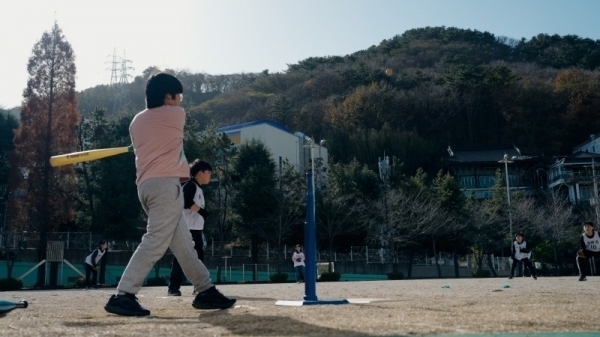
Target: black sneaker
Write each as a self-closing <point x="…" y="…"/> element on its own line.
<point x="582" y="278"/>
<point x="212" y="299"/>
<point x="534" y="277"/>
<point x="510" y="277"/>
<point x="174" y="292"/>
<point x="125" y="305"/>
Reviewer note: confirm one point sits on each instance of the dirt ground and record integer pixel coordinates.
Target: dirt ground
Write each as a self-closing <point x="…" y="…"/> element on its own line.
<point x="379" y="308"/>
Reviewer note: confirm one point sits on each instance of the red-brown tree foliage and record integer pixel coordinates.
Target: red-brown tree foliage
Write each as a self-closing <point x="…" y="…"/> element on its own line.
<point x="49" y="119"/>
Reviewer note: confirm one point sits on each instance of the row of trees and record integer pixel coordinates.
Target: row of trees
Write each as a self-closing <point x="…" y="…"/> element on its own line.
<point x="256" y="202"/>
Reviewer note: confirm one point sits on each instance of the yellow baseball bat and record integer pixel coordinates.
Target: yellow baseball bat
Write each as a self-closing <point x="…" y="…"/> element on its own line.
<point x="78" y="157"/>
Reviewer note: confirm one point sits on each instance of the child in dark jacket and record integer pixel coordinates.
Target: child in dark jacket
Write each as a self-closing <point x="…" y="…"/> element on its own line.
<point x="91" y="264"/>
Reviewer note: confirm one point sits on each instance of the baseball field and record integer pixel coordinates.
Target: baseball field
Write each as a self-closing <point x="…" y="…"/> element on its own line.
<point x="557" y="306"/>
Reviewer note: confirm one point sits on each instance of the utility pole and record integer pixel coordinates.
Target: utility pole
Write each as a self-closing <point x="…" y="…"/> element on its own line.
<point x="384" y="175"/>
<point x="595" y="199"/>
<point x="506" y="162"/>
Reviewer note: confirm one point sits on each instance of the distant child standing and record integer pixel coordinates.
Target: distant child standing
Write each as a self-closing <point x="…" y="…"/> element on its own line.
<point x="520" y="252"/>
<point x="298" y="258"/>
<point x="161" y="165"/>
<point x="91" y="264"/>
<point x="589" y="247"/>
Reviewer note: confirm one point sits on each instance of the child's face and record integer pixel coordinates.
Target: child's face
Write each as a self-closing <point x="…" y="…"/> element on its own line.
<point x="519" y="238"/>
<point x="203" y="177"/>
<point x="589" y="230"/>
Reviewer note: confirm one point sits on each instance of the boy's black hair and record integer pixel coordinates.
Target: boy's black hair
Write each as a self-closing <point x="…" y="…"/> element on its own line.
<point x="589" y="223"/>
<point x="158" y="86"/>
<point x="102" y="242"/>
<point x="199" y="165"/>
<point x="520" y="234"/>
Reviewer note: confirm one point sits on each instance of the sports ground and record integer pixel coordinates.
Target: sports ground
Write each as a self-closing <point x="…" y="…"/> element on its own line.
<point x="557" y="306"/>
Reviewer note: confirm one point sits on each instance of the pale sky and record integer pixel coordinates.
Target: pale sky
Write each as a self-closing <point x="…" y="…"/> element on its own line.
<point x="226" y="36"/>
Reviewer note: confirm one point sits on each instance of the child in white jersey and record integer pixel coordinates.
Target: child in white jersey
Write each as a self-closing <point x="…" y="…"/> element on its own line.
<point x="195" y="216"/>
<point x="589" y="247"/>
<point x="520" y="252"/>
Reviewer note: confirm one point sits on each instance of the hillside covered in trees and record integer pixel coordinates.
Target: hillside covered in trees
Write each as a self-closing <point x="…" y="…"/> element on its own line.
<point x="449" y="86"/>
<point x="408" y="97"/>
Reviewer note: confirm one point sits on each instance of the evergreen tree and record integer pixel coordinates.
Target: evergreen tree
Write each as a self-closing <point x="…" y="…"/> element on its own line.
<point x="109" y="200"/>
<point x="255" y="201"/>
<point x="290" y="200"/>
<point x="451" y="199"/>
<point x="217" y="150"/>
<point x="8" y="124"/>
<point x="350" y="189"/>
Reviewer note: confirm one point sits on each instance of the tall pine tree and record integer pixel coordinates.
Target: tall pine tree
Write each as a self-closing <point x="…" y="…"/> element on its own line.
<point x="255" y="201"/>
<point x="48" y="126"/>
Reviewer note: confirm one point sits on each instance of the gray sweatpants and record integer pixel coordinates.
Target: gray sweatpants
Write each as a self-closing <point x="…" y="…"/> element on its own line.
<point x="162" y="200"/>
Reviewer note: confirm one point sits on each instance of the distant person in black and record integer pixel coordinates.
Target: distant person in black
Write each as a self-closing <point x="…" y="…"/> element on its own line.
<point x="92" y="262"/>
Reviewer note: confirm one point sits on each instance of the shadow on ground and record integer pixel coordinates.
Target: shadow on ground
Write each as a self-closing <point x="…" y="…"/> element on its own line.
<point x="243" y="325"/>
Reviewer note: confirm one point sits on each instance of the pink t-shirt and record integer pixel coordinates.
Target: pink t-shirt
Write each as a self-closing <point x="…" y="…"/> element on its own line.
<point x="157" y="137"/>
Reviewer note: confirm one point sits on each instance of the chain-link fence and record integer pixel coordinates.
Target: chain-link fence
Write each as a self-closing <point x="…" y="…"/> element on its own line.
<point x="498" y="262"/>
<point x="89" y="241"/>
<point x="72" y="240"/>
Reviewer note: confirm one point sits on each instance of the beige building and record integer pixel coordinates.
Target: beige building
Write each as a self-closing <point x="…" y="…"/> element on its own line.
<point x="279" y="140"/>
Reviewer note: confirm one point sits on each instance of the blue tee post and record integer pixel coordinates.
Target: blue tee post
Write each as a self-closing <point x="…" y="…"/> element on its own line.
<point x="310" y="246"/>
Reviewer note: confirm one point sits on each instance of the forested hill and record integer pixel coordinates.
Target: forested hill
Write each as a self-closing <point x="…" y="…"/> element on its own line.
<point x="449" y="86"/>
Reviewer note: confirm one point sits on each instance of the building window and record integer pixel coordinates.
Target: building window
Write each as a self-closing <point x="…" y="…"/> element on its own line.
<point x="514" y="180"/>
<point x="467" y="181"/>
<point x="485" y="194"/>
<point x="486" y="181"/>
<point x="586" y="193"/>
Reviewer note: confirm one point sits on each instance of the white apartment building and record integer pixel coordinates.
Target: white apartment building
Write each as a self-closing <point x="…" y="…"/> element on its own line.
<point x="577" y="174"/>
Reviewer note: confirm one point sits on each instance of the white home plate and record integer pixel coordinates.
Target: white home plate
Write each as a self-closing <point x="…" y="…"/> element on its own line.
<point x="363" y="300"/>
<point x="350" y="300"/>
<point x="289" y="303"/>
